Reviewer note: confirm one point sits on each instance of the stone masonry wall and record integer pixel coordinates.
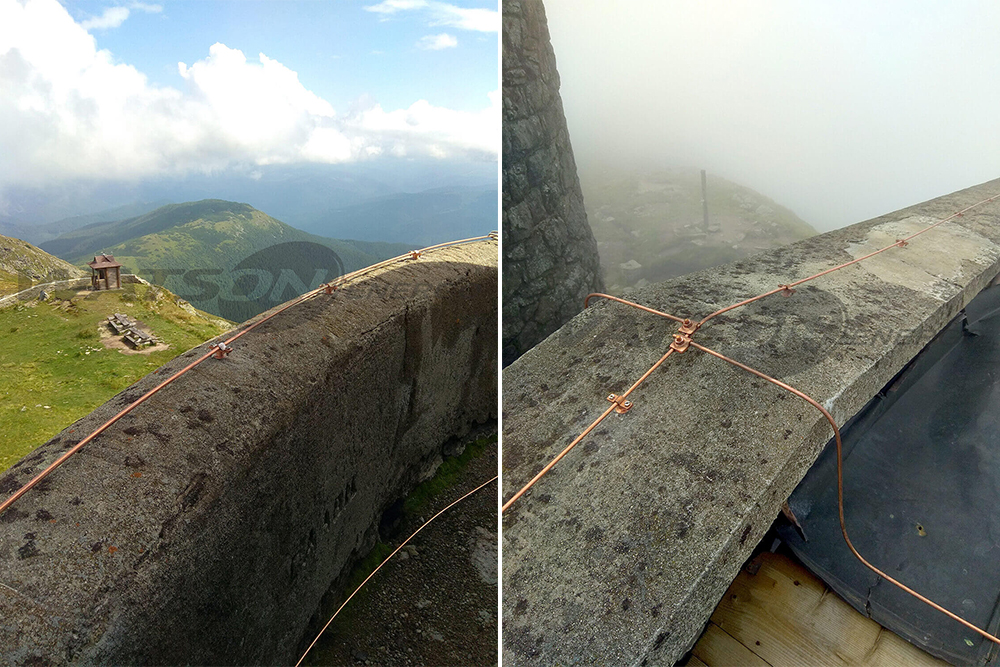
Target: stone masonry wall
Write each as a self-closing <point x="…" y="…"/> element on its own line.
<point x="550" y="256"/>
<point x="33" y="291"/>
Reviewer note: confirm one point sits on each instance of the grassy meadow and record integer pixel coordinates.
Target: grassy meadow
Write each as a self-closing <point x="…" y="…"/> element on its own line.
<point x="55" y="369"/>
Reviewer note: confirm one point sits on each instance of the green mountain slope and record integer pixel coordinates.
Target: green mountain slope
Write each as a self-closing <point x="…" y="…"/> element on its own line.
<point x="650" y="226"/>
<point x="224" y="257"/>
<point x="22" y="264"/>
<point x="59" y="360"/>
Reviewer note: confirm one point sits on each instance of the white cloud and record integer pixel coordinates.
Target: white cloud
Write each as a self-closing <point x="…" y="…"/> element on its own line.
<point x="429" y="130"/>
<point x="111" y="18"/>
<point x="437" y="42"/>
<point x="68" y="109"/>
<point x="443" y="13"/>
<point x="142" y="6"/>
<point x="481" y="20"/>
<point x="393" y="6"/>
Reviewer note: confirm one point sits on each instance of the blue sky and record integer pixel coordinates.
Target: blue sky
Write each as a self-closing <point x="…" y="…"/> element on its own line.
<point x="136" y="90"/>
<point x="339" y="49"/>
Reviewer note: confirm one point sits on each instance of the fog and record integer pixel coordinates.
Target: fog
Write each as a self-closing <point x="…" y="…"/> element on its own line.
<point x="840" y="111"/>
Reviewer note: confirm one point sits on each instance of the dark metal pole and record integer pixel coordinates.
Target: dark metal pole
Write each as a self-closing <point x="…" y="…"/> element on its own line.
<point x="704" y="199"/>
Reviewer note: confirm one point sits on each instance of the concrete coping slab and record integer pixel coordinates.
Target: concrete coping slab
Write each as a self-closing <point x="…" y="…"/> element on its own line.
<point x="620" y="554"/>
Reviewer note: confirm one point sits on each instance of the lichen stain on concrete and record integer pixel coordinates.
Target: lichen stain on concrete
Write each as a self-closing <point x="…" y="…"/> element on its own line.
<point x="932" y="263"/>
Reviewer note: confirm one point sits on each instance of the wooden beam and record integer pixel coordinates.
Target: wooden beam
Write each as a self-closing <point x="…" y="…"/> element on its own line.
<point x="786" y="616"/>
<point x="717" y="648"/>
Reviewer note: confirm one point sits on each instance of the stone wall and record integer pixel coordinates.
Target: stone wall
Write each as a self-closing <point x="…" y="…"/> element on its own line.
<point x="621" y="553"/>
<point x="74" y="283"/>
<point x="33" y="291"/>
<point x="550" y="256"/>
<point x="205" y="526"/>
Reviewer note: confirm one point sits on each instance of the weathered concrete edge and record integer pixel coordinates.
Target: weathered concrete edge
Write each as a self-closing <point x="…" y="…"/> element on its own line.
<point x="407" y="356"/>
<point x="682" y="627"/>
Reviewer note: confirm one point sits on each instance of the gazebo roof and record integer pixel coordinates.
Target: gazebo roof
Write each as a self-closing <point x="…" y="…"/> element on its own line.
<point x="103" y="262"/>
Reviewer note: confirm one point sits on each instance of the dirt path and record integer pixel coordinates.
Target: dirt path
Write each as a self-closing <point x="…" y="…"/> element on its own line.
<point x="437" y="605"/>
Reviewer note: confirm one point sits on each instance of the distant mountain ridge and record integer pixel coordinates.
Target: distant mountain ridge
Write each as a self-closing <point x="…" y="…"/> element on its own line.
<point x="38" y="234"/>
<point x="425" y="217"/>
<point x="226" y="258"/>
<point x="93" y="238"/>
<point x="431" y="216"/>
<point x="302" y="195"/>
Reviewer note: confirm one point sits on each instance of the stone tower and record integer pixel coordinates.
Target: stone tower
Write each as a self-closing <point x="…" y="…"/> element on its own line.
<point x="550" y="258"/>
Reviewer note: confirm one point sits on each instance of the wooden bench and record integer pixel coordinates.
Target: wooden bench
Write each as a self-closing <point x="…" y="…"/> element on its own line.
<point x="125" y="326"/>
<point x="139" y="338"/>
<point x="120" y="323"/>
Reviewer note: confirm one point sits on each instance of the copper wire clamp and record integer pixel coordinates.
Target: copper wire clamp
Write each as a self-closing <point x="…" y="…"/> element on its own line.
<point x="681" y="342"/>
<point x="682" y="339"/>
<point x="329" y="288"/>
<point x="221" y="351"/>
<point x="902" y="243"/>
<point x="688" y="327"/>
<point x="622" y="405"/>
<point x="414" y="254"/>
<point x="786" y="290"/>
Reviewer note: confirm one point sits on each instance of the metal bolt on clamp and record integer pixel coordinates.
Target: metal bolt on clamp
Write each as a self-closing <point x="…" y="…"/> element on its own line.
<point x="622" y="405"/>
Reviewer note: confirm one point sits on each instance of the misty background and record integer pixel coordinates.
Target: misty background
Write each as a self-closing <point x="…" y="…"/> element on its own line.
<point x="839" y="111"/>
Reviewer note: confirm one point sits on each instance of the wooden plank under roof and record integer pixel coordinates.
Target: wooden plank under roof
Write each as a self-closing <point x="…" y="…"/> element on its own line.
<point x="784" y="616"/>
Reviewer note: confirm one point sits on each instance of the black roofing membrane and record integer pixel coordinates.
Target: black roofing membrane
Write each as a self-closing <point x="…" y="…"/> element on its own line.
<point x="921" y="495"/>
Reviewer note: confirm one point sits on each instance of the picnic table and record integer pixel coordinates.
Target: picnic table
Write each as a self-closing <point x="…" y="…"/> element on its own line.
<point x="138" y="338"/>
<point x="125" y="326"/>
<point x="120" y="323"/>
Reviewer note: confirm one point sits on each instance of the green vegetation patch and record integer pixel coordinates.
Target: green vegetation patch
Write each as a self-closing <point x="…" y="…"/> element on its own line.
<point x="420" y="499"/>
<point x="8" y="282"/>
<point x="54" y="368"/>
<point x="65" y="294"/>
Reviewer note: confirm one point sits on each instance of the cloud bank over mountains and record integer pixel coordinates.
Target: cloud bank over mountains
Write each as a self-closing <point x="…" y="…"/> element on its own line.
<point x="442" y="13"/>
<point x="69" y="109"/>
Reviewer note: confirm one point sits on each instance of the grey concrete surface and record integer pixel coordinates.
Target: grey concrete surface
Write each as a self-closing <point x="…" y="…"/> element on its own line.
<point x="621" y="553"/>
<point x="204" y="527"/>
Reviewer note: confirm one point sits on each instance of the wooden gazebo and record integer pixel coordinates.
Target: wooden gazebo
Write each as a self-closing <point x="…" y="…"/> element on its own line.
<point x="105" y="273"/>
